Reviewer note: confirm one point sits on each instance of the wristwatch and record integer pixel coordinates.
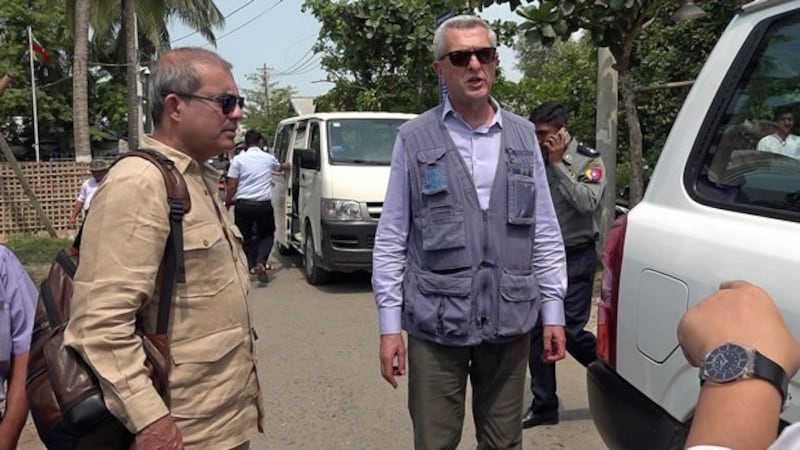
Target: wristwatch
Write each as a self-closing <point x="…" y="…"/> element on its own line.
<point x="730" y="362"/>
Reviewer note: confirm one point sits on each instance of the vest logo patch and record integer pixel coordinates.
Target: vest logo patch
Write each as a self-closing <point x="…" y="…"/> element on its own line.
<point x="434" y="181"/>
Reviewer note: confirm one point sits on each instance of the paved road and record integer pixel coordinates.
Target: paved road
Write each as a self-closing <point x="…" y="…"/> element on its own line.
<point x="319" y="360"/>
<point x="318" y="356"/>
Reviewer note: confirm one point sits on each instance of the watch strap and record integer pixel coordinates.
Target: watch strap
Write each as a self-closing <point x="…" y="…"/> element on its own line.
<point x="769" y="370"/>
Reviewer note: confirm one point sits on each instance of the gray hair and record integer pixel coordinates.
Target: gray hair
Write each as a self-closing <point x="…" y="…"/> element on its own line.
<point x="462" y="22"/>
<point x="176" y="71"/>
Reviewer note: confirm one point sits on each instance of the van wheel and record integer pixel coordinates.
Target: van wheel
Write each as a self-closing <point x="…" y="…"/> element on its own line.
<point x="314" y="274"/>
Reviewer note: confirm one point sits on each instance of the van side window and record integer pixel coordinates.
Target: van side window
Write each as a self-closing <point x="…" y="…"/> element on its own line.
<point x="752" y="162"/>
<point x="315" y="139"/>
<point x="282" y="142"/>
<point x="300" y="135"/>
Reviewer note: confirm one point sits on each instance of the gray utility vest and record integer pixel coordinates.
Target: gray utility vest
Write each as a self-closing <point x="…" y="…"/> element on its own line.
<point x="470" y="275"/>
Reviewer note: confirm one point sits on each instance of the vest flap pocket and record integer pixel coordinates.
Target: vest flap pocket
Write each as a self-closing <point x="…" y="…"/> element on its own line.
<point x="431" y="155"/>
<point x="519" y="286"/>
<point x="201" y="236"/>
<point x="432" y="283"/>
<point x="209" y="348"/>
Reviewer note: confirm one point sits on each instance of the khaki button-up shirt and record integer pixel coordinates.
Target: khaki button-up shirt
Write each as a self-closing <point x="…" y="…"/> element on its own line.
<point x="215" y="395"/>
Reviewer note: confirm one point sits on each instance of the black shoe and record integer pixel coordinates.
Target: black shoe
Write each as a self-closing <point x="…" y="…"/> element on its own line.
<point x="532" y="419"/>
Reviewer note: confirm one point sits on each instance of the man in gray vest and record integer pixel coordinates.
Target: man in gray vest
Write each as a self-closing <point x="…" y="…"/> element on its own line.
<point x="468" y="253"/>
<point x="576" y="177"/>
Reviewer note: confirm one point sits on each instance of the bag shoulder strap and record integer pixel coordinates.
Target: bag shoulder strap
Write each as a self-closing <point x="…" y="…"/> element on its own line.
<point x="172" y="265"/>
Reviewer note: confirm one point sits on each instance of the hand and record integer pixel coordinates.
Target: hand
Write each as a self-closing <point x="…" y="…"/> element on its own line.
<point x="554" y="342"/>
<point x="162" y="434"/>
<point x="742" y="313"/>
<point x="555" y="145"/>
<point x="392" y="355"/>
<point x="71" y="224"/>
<point x="228" y="205"/>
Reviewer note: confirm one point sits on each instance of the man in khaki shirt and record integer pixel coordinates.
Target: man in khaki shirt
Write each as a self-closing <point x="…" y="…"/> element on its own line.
<point x="214" y="389"/>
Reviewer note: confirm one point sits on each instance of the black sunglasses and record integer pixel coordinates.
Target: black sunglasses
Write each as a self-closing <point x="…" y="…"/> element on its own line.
<point x="227" y="101"/>
<point x="461" y="58"/>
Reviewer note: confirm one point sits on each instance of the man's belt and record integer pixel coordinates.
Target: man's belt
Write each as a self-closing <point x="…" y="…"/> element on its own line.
<point x="254" y="202"/>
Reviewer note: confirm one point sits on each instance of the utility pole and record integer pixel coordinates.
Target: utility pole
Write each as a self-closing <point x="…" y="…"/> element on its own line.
<point x="265" y="77"/>
<point x="606" y="137"/>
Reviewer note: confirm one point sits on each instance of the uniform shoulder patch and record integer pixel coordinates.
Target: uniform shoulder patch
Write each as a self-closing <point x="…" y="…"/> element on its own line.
<point x="588" y="151"/>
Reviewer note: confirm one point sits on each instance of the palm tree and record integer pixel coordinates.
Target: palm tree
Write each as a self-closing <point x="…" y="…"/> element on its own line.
<point x="110" y="21"/>
<point x="80" y="89"/>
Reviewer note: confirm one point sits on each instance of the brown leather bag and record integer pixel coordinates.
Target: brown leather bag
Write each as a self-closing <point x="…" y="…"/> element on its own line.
<point x="64" y="395"/>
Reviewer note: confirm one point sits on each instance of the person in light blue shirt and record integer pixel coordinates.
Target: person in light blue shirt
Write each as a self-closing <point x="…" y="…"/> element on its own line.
<point x="250" y="190"/>
<point x="468" y="253"/>
<point x="18" y="297"/>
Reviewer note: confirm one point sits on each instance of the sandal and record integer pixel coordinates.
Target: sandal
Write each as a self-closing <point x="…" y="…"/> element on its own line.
<point x="261" y="272"/>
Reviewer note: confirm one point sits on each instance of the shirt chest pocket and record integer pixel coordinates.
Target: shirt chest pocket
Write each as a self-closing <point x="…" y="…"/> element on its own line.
<point x="207" y="256"/>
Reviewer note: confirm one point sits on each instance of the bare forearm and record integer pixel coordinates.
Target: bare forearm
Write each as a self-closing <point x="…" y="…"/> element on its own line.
<point x="75" y="211"/>
<point x="16" y="404"/>
<point x="741" y="415"/>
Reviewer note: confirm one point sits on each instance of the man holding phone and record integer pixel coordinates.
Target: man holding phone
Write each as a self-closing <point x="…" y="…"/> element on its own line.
<point x="576" y="176"/>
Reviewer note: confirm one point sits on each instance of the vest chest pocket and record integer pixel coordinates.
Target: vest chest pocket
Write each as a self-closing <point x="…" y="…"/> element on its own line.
<point x="521" y="187"/>
<point x="521" y="199"/>
<point x="444" y="239"/>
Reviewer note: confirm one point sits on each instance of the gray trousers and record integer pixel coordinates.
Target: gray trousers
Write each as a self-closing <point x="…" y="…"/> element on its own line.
<point x="437" y="386"/>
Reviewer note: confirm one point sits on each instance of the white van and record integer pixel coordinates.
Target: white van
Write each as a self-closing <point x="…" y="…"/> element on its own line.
<point x="328" y="204"/>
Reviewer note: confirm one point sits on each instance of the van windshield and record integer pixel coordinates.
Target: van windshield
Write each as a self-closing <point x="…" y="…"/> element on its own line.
<point x="362" y="141"/>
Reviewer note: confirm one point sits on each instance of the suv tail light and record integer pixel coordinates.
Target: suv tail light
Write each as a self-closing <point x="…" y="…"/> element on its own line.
<point x="609" y="293"/>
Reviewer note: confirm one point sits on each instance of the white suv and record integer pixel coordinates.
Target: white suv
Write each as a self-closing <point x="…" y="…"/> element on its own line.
<point x="723" y="203"/>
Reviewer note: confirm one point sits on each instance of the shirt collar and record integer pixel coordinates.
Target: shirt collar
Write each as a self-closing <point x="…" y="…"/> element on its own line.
<point x="254" y="148"/>
<point x="182" y="161"/>
<point x="496" y="119"/>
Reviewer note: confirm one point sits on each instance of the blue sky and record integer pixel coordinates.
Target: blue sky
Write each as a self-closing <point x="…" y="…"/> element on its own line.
<point x="277" y="33"/>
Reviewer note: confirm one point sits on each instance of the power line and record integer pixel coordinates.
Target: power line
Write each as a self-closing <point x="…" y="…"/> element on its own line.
<point x="226" y="16"/>
<point x="248" y="22"/>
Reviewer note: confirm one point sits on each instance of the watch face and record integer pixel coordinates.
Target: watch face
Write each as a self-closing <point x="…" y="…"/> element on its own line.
<point x="726" y="363"/>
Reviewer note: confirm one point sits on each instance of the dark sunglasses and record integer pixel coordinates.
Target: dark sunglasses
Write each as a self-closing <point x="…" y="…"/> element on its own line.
<point x="461" y="58"/>
<point x="227" y="101"/>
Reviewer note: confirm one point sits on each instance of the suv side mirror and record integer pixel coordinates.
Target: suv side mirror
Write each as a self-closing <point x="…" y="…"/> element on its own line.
<point x="309" y="159"/>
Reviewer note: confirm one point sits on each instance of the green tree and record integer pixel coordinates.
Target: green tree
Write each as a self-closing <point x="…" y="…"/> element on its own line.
<point x="378" y="53"/>
<point x="52" y="79"/>
<point x="565" y="73"/>
<point x="259" y="115"/>
<point x="619" y="25"/>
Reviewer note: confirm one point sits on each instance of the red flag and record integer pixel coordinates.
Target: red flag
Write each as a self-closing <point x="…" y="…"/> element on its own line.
<point x="39" y="52"/>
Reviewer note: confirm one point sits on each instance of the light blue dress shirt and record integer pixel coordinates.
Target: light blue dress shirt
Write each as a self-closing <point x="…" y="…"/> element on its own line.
<point x="480" y="149"/>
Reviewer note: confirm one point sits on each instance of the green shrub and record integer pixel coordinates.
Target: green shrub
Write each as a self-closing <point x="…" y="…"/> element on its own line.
<point x="36" y="250"/>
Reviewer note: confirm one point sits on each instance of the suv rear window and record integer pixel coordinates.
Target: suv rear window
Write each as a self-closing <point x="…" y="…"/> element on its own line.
<point x="752" y="160"/>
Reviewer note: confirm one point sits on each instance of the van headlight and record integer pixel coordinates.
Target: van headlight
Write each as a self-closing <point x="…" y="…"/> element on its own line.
<point x="345" y="210"/>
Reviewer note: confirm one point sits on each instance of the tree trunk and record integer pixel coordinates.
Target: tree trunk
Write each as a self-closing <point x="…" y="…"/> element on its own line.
<point x="132" y="60"/>
<point x="5" y="82"/>
<point x="80" y="83"/>
<point x="634" y="138"/>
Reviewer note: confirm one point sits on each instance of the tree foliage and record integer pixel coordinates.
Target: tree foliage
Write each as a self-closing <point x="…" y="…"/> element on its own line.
<point x="378" y="53"/>
<point x="259" y="116"/>
<point x="620" y="25"/>
<point x="566" y="73"/>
